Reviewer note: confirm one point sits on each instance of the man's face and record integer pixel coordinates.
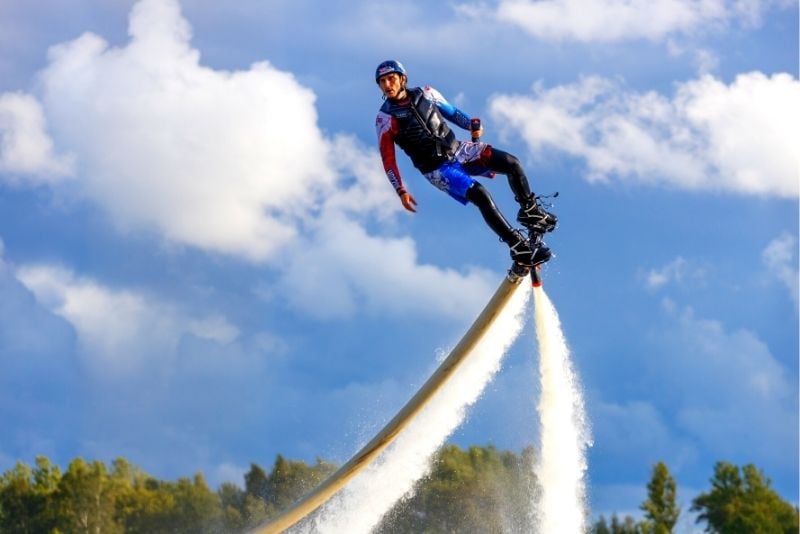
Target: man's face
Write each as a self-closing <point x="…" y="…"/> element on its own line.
<point x="392" y="85"/>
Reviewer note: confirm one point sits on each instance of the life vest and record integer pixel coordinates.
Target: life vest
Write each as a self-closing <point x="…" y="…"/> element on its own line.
<point x="423" y="133"/>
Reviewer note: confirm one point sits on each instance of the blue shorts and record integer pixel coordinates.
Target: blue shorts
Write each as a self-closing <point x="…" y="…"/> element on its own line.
<point x="452" y="179"/>
<point x="455" y="177"/>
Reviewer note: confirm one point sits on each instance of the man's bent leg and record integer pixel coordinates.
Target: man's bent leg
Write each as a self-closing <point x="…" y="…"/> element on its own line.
<point x="508" y="164"/>
<point x="520" y="249"/>
<point x="531" y="214"/>
<point x="478" y="195"/>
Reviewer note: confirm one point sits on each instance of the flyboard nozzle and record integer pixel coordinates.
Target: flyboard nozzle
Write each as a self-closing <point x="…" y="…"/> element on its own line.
<point x="536" y="280"/>
<point x="517" y="273"/>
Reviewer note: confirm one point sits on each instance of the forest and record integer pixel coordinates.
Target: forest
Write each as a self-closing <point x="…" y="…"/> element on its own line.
<point x="480" y="489"/>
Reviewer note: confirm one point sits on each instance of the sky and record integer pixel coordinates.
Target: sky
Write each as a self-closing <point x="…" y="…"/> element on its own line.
<point x="203" y="265"/>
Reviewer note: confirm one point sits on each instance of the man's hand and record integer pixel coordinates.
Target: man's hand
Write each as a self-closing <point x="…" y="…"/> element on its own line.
<point x="408" y="202"/>
<point x="476" y="128"/>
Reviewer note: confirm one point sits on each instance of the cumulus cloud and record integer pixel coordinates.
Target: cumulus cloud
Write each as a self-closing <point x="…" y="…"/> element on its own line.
<point x="328" y="276"/>
<point x="223" y="161"/>
<point x="362" y="191"/>
<point x="780" y="257"/>
<point x="614" y="20"/>
<point x="708" y="136"/>
<point x="26" y="150"/>
<point x="120" y="331"/>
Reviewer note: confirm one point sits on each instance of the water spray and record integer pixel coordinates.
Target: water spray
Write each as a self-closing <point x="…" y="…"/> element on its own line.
<point x="425" y="421"/>
<point x="560" y="505"/>
<point x="440" y="406"/>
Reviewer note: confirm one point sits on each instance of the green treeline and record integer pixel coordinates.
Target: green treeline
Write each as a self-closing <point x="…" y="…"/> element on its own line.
<point x="740" y="501"/>
<point x="476" y="490"/>
<point x="91" y="498"/>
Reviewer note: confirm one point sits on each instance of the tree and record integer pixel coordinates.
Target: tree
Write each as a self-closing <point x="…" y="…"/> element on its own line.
<point x="287" y="481"/>
<point x="741" y="501"/>
<point x="476" y="490"/>
<point x="26" y="495"/>
<point x="197" y="509"/>
<point x="255" y="481"/>
<point x="144" y="506"/>
<point x="660" y="509"/>
<point x="85" y="499"/>
<point x="232" y="500"/>
<point x="253" y="508"/>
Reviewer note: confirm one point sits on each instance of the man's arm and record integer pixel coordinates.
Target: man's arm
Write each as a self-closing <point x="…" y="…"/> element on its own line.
<point x="448" y="110"/>
<point x="386" y="125"/>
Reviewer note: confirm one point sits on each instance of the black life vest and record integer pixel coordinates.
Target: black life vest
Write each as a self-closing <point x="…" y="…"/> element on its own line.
<point x="423" y="133"/>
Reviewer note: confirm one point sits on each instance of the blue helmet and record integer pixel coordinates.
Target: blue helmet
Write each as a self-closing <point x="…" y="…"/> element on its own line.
<point x="388" y="67"/>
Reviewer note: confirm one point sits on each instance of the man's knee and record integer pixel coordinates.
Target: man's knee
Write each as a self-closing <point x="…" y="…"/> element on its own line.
<point x="505" y="162"/>
<point x="514" y="163"/>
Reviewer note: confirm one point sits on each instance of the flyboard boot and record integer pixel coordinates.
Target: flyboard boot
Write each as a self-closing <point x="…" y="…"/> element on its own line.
<point x="528" y="255"/>
<point x="534" y="218"/>
<point x="528" y="252"/>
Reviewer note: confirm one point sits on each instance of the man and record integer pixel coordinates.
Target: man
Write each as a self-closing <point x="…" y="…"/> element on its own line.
<point x="414" y="118"/>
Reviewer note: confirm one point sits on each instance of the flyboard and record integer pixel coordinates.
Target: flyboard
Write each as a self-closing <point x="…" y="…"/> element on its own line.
<point x="371" y="450"/>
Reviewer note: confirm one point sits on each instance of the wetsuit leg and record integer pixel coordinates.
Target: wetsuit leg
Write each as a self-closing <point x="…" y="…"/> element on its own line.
<point x="508" y="164"/>
<point x="478" y="195"/>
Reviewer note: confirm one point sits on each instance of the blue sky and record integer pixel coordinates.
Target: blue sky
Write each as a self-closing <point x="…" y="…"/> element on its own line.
<point x="202" y="264"/>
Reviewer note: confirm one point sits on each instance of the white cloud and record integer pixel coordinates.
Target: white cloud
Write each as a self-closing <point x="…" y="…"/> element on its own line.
<point x="342" y="268"/>
<point x="363" y="190"/>
<point x="751" y="127"/>
<point x="780" y="257"/>
<point x="214" y="328"/>
<point x="121" y="332"/>
<point x="701" y="139"/>
<point x="26" y="150"/>
<point x="705" y="61"/>
<point x="677" y="271"/>
<point x="224" y="161"/>
<point x="614" y="20"/>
